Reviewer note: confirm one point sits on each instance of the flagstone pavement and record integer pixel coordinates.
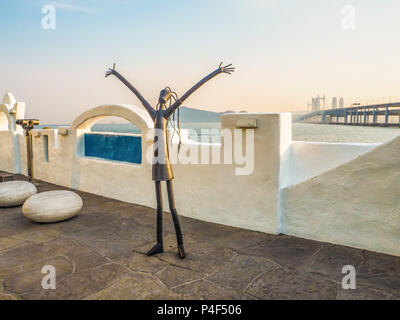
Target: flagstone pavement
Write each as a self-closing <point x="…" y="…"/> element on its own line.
<point x="100" y="254"/>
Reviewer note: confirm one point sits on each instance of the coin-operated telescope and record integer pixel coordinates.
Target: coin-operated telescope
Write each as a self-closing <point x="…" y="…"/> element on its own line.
<point x="28" y="125"/>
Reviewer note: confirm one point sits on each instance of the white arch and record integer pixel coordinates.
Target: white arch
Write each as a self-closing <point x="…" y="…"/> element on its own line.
<point x="84" y="122"/>
<point x="6" y="120"/>
<point x="7" y="123"/>
<point x="9" y="100"/>
<point x="133" y="114"/>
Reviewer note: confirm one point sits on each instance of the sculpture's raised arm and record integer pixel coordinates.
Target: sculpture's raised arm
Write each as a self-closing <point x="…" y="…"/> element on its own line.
<point x="145" y="104"/>
<point x="227" y="69"/>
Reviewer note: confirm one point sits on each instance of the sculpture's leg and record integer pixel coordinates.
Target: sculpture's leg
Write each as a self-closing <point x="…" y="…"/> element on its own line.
<point x="181" y="249"/>
<point x="158" y="248"/>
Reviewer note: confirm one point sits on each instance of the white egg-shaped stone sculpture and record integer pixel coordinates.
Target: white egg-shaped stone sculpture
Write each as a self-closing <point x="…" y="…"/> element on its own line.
<point x="52" y="206"/>
<point x="14" y="193"/>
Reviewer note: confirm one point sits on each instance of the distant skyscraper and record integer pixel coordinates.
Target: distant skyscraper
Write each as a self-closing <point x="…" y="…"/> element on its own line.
<point x="334" y="103"/>
<point x="316" y="103"/>
<point x="341" y="102"/>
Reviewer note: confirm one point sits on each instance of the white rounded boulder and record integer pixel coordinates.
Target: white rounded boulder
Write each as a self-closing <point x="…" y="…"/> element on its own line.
<point x="14" y="193"/>
<point x="52" y="206"/>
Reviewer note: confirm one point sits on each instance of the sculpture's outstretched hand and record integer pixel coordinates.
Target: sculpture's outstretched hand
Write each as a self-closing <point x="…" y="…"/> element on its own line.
<point x="147" y="105"/>
<point x="226" y="69"/>
<point x="221" y="69"/>
<point x="110" y="71"/>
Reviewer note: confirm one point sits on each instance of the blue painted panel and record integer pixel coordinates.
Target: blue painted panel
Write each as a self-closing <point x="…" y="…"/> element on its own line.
<point x="114" y="147"/>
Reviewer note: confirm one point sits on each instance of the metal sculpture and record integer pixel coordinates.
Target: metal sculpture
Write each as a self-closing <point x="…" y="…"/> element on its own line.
<point x="28" y="125"/>
<point x="161" y="169"/>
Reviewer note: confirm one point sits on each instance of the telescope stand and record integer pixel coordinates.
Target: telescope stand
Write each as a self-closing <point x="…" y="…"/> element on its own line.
<point x="29" y="154"/>
<point x="28" y="125"/>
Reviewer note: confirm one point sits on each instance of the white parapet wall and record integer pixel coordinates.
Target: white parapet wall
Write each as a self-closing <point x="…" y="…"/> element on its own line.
<point x="310" y="159"/>
<point x="355" y="204"/>
<point x="11" y="136"/>
<point x="227" y="192"/>
<point x="257" y="177"/>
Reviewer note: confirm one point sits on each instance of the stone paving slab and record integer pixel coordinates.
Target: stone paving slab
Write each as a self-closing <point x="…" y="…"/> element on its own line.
<point x="100" y="254"/>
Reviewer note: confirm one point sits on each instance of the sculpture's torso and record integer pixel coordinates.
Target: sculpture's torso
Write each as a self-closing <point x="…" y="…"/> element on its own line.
<point x="162" y="169"/>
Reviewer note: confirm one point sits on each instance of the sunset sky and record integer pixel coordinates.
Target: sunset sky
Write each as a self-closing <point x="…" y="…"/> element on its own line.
<point x="285" y="51"/>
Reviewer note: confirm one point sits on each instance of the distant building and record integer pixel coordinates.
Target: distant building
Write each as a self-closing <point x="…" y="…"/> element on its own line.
<point x="334" y="103"/>
<point x="316" y="103"/>
<point x="341" y="103"/>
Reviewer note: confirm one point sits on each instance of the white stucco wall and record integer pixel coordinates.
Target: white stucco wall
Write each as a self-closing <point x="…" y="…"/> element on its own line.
<point x="356" y="204"/>
<point x="210" y="192"/>
<point x="7" y="151"/>
<point x="332" y="192"/>
<point x="10" y="134"/>
<point x="309" y="159"/>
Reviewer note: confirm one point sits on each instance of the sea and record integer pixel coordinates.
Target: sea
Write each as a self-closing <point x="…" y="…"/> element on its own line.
<point x="210" y="131"/>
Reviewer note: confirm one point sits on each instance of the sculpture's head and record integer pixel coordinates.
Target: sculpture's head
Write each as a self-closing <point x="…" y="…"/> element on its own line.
<point x="165" y="95"/>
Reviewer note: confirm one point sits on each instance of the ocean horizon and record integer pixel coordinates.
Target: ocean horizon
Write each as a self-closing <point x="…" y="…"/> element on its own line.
<point x="301" y="131"/>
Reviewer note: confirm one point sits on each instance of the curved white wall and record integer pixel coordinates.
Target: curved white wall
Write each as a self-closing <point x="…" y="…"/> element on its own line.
<point x="310" y="159"/>
<point x="356" y="204"/>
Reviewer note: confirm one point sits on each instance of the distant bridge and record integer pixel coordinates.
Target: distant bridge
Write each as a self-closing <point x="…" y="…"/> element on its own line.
<point x="384" y="115"/>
